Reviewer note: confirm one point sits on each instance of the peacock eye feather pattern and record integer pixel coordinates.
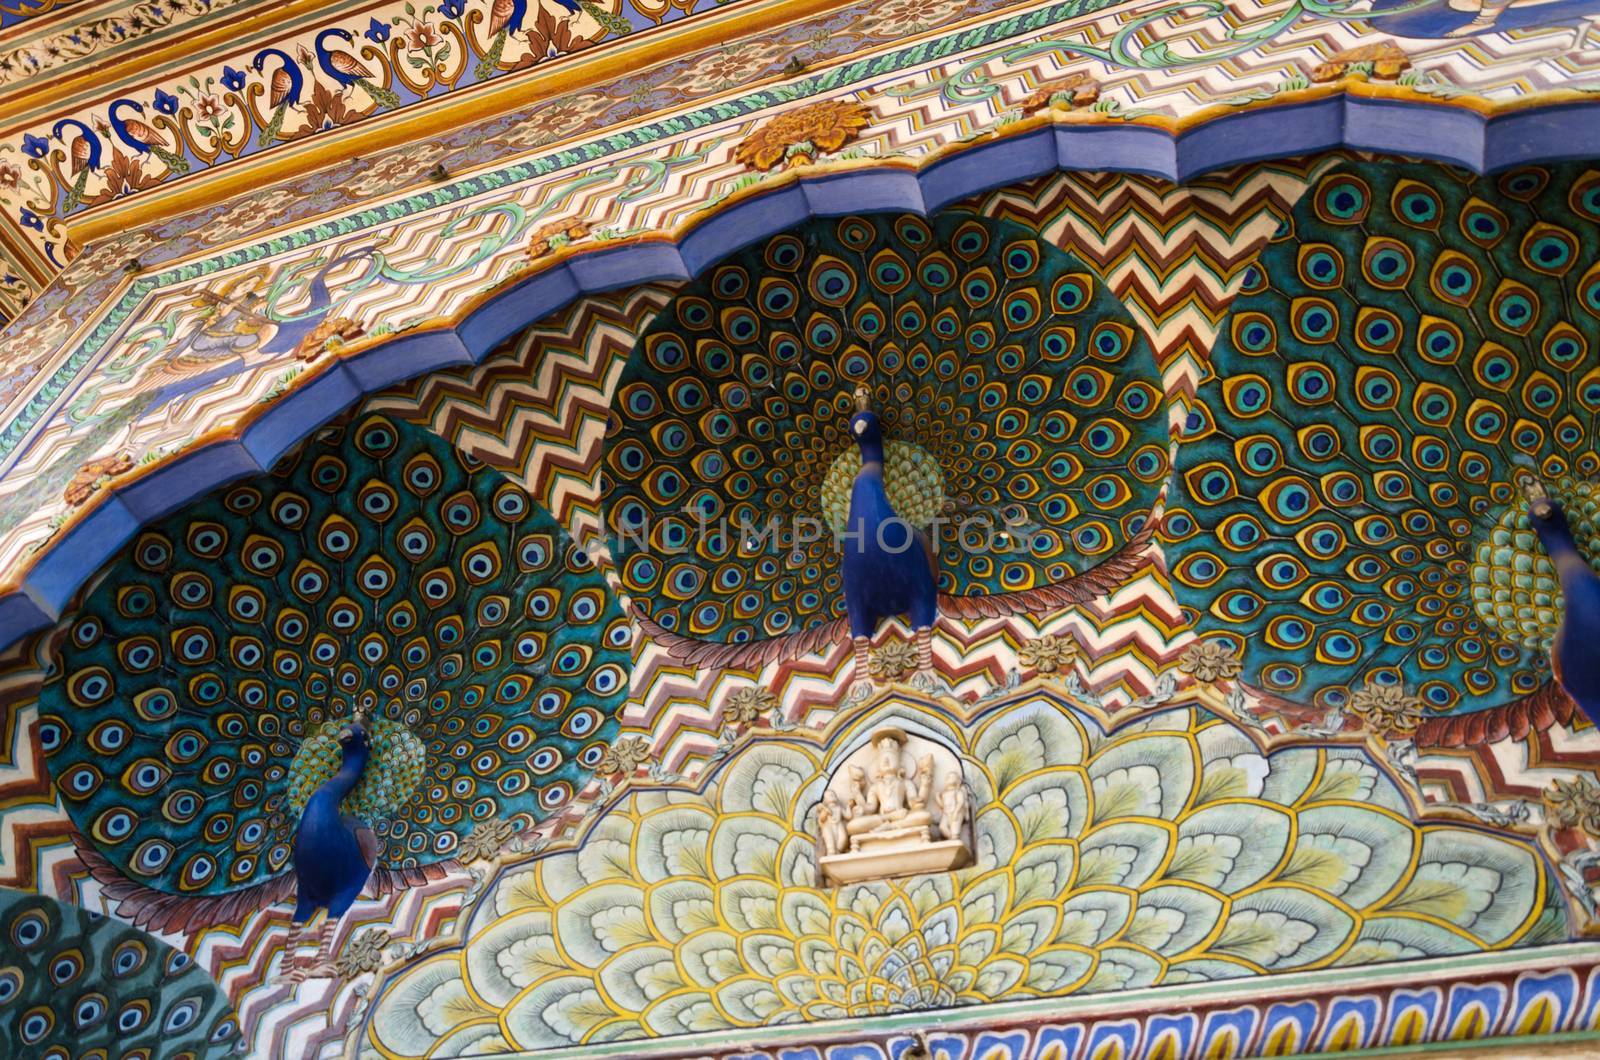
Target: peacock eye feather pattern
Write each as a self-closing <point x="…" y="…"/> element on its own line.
<point x="200" y="687"/>
<point x="1412" y="344"/>
<point x="1013" y="391"/>
<point x="75" y="983"/>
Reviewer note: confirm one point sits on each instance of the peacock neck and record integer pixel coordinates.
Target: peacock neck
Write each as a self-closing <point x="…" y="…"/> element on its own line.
<point x="343" y="782"/>
<point x="871" y="455"/>
<point x="1562" y="548"/>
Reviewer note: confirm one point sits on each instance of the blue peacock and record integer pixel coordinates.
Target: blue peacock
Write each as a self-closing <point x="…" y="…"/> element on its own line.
<point x="203" y="684"/>
<point x="1013" y="396"/>
<point x="1392" y="478"/>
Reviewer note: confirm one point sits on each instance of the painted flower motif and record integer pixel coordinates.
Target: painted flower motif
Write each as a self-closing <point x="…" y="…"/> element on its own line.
<point x="364" y="953"/>
<point x="1049" y="653"/>
<point x="377" y="32"/>
<point x="10" y="175"/>
<point x="318" y="340"/>
<point x="232" y="79"/>
<point x="1074" y="90"/>
<point x="800" y="134"/>
<point x="1174" y="853"/>
<point x="727" y="67"/>
<point x="1383" y="61"/>
<point x="93" y="475"/>
<point x="451" y="8"/>
<point x="422" y="36"/>
<point x="913" y="16"/>
<point x="748" y="704"/>
<point x="396" y="169"/>
<point x="892" y="660"/>
<point x="554" y="235"/>
<point x="1387" y="709"/>
<point x="550" y="36"/>
<point x="624" y="756"/>
<point x="30" y="219"/>
<point x="1574" y="803"/>
<point x="553" y="121"/>
<point x="166" y="102"/>
<point x="247" y="215"/>
<point x="35" y="146"/>
<point x="208" y="107"/>
<point x="1210" y="660"/>
<point x="486" y="840"/>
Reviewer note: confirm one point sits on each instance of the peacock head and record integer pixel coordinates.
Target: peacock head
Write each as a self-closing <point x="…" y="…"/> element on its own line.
<point x="353" y="737"/>
<point x="865" y="429"/>
<point x="1543" y="512"/>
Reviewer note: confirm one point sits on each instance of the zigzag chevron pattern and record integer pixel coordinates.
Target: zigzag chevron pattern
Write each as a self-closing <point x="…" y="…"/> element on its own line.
<point x="1175" y="255"/>
<point x="537" y="408"/>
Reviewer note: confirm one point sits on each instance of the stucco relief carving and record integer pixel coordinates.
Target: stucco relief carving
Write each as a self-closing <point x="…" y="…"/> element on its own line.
<point x="899" y="806"/>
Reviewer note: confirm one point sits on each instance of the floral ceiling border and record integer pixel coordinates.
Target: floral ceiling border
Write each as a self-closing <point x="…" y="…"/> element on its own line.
<point x="943" y="118"/>
<point x="148" y="130"/>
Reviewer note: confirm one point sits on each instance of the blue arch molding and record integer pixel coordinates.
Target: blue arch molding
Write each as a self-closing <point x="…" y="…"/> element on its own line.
<point x="1439" y="131"/>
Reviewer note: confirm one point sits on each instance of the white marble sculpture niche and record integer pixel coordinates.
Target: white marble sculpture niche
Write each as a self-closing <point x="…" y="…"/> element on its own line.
<point x="898" y="806"/>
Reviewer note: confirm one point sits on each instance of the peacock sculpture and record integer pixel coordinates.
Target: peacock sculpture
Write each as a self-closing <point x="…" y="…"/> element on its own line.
<point x="1572" y="658"/>
<point x="334" y="851"/>
<point x="1392" y="478"/>
<point x="1011" y="399"/>
<point x="204" y="685"/>
<point x="888" y="565"/>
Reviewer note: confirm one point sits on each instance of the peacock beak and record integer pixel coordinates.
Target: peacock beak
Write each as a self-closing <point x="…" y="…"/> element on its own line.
<point x="1532" y="487"/>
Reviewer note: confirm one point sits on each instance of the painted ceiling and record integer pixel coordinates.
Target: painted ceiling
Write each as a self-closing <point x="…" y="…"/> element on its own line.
<point x="412" y="386"/>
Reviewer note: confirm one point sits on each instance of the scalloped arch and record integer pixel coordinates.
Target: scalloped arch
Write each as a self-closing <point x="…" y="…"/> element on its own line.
<point x="1448" y="132"/>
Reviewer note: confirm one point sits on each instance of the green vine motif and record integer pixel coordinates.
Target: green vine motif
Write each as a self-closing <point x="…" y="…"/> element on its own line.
<point x="970" y="82"/>
<point x="145" y="344"/>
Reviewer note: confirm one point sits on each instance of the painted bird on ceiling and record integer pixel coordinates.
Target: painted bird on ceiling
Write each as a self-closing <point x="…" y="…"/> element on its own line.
<point x="284" y="90"/>
<point x="84" y="153"/>
<point x="1010" y="395"/>
<point x="1414" y="344"/>
<point x="334" y="854"/>
<point x="349" y="71"/>
<point x="141" y="136"/>
<point x="202" y="686"/>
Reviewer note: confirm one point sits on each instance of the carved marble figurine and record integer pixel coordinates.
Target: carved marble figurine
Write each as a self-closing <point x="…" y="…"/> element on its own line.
<point x="954" y="808"/>
<point x="830" y="825"/>
<point x="891" y="799"/>
<point x="871" y="825"/>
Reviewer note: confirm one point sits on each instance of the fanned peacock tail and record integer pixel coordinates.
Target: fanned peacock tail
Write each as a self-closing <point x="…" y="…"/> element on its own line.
<point x="616" y="25"/>
<point x="75" y="193"/>
<point x="1011" y="384"/>
<point x="176" y="163"/>
<point x="1411" y="343"/>
<point x="377" y="570"/>
<point x="270" y="132"/>
<point x="385" y="97"/>
<point x="489" y="65"/>
<point x="79" y="984"/>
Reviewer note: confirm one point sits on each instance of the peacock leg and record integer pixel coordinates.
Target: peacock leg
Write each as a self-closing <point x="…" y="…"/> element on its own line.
<point x="321" y="965"/>
<point x="293" y="968"/>
<point x="926" y="680"/>
<point x="861" y="671"/>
